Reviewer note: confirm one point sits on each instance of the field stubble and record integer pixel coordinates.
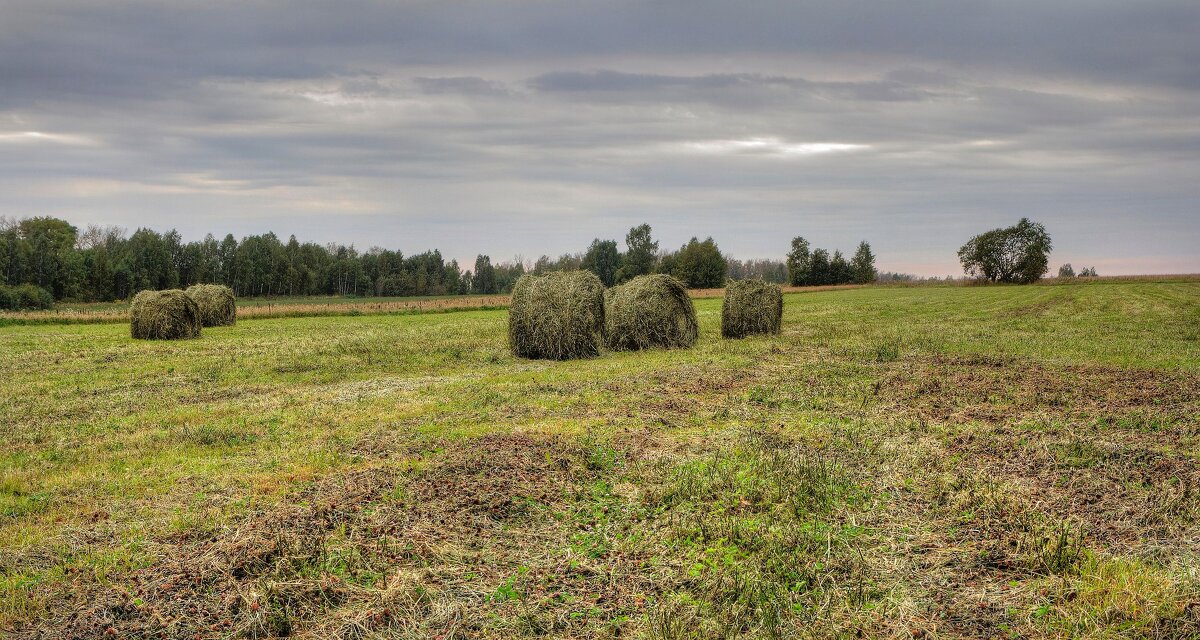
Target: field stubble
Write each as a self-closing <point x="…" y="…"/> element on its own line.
<point x="954" y="462"/>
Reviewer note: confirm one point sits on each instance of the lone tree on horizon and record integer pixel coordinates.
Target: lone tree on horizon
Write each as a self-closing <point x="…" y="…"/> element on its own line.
<point x="1020" y="253"/>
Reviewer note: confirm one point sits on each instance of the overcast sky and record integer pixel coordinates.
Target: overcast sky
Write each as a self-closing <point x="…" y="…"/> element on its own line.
<point x="531" y="127"/>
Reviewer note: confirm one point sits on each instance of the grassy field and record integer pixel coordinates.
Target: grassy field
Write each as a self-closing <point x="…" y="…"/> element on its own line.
<point x="927" y="462"/>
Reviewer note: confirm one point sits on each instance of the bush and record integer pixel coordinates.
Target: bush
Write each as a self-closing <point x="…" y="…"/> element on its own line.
<point x="1020" y="253"/>
<point x="649" y="311"/>
<point x="24" y="297"/>
<point x="164" y="315"/>
<point x="557" y="316"/>
<point x="751" y="307"/>
<point x="216" y="303"/>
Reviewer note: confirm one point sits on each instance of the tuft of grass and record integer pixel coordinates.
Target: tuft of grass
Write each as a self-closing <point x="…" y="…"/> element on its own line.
<point x="888" y="351"/>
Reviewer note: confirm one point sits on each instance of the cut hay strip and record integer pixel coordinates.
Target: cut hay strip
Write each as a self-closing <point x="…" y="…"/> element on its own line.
<point x="650" y="311"/>
<point x="164" y="315"/>
<point x="751" y="307"/>
<point x="557" y="316"/>
<point x="216" y="302"/>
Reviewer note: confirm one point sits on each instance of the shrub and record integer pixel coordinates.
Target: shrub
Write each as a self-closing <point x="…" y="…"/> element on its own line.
<point x="751" y="307"/>
<point x="557" y="316"/>
<point x="216" y="303"/>
<point x="24" y="297"/>
<point x="164" y="315"/>
<point x="649" y="311"/>
<point x="1020" y="253"/>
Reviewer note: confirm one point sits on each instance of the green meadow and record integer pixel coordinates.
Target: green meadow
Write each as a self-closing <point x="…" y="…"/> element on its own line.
<point x="930" y="462"/>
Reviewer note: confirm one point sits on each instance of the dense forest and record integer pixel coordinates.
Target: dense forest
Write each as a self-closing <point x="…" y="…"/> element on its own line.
<point x="44" y="258"/>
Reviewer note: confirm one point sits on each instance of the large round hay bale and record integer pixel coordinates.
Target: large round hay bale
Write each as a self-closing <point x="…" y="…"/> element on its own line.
<point x="751" y="307"/>
<point x="650" y="311"/>
<point x="164" y="315"/>
<point x="557" y="316"/>
<point x="217" y="306"/>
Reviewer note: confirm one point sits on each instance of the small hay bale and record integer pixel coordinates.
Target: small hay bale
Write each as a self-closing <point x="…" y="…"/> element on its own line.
<point x="217" y="306"/>
<point x="650" y="311"/>
<point x="164" y="315"/>
<point x="751" y="307"/>
<point x="557" y="316"/>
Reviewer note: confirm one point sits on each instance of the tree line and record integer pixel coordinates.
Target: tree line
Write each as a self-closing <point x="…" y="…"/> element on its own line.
<point x="807" y="266"/>
<point x="700" y="263"/>
<point x="104" y="264"/>
<point x="45" y="259"/>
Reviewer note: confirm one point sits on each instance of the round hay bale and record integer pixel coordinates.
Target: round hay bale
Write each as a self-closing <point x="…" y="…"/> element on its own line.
<point x="557" y="316"/>
<point x="164" y="315"/>
<point x="751" y="307"/>
<point x="650" y="311"/>
<point x="217" y="307"/>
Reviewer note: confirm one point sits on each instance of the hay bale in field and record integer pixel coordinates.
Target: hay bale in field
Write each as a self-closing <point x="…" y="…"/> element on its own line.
<point x="557" y="316"/>
<point x="750" y="307"/>
<point x="164" y="315"/>
<point x="217" y="307"/>
<point x="650" y="311"/>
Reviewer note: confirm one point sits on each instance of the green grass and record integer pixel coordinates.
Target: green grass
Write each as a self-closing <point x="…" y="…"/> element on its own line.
<point x="940" y="461"/>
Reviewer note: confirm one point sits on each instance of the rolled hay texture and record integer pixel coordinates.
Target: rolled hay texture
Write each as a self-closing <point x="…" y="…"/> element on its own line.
<point x="751" y="307"/>
<point x="217" y="306"/>
<point x="650" y="311"/>
<point x="557" y="316"/>
<point x="164" y="315"/>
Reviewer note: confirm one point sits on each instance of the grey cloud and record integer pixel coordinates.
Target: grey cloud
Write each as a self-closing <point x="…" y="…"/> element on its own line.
<point x="468" y="85"/>
<point x="532" y="127"/>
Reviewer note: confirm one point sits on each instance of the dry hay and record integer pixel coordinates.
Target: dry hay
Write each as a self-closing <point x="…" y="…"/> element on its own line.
<point x="751" y="307"/>
<point x="397" y="537"/>
<point x="217" y="308"/>
<point x="650" y="311"/>
<point x="557" y="316"/>
<point x="164" y="315"/>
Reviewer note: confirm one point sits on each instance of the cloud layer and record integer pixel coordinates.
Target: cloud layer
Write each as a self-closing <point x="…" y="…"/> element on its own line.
<point x="531" y="127"/>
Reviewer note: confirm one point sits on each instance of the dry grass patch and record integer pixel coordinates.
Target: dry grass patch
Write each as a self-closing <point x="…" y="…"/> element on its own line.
<point x="1104" y="446"/>
<point x="1000" y="390"/>
<point x="511" y="536"/>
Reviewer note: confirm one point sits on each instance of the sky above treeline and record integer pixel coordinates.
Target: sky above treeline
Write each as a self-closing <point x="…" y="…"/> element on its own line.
<point x="525" y="128"/>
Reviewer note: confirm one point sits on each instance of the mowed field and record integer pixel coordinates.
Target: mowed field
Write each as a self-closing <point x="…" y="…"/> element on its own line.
<point x="931" y="462"/>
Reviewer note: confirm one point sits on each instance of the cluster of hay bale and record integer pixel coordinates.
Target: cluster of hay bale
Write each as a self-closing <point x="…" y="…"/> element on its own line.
<point x="566" y="315"/>
<point x="557" y="316"/>
<point x="216" y="302"/>
<point x="650" y="311"/>
<point x="164" y="315"/>
<point x="751" y="307"/>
